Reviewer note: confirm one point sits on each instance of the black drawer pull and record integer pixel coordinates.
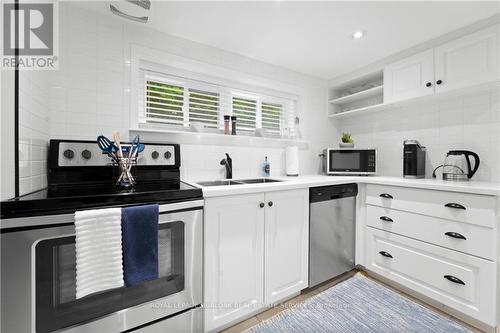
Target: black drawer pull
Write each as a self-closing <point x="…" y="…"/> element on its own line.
<point x="454" y="279"/>
<point x="454" y="205"/>
<point x="386" y="219"/>
<point x="385" y="254"/>
<point x="386" y="195"/>
<point x="455" y="235"/>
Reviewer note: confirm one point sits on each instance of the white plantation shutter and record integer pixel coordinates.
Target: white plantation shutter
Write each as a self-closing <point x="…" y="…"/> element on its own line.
<point x="245" y="110"/>
<point x="204" y="107"/>
<point x="173" y="101"/>
<point x="164" y="102"/>
<point x="272" y="117"/>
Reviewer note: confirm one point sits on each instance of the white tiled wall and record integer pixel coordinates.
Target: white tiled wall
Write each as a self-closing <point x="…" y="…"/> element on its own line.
<point x="203" y="162"/>
<point x="34" y="130"/>
<point x="88" y="91"/>
<point x="468" y="123"/>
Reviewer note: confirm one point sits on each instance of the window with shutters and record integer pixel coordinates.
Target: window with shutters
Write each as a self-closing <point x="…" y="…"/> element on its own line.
<point x="164" y="103"/>
<point x="180" y="102"/>
<point x="245" y="110"/>
<point x="204" y="107"/>
<point x="272" y="117"/>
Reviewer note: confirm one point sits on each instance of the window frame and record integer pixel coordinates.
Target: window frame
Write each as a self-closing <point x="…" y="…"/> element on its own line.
<point x="225" y="104"/>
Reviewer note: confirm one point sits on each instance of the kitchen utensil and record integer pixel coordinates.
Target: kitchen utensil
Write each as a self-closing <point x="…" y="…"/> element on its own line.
<point x="106" y="145"/>
<point x="134" y="146"/>
<point x="116" y="137"/>
<point x="125" y="164"/>
<point x="457" y="165"/>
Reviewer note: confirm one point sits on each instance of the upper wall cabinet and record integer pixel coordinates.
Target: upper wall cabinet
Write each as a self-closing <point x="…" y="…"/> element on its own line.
<point x="467" y="61"/>
<point x="461" y="63"/>
<point x="410" y="77"/>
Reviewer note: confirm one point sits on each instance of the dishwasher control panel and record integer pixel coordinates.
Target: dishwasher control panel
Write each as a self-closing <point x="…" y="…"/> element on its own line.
<point x="331" y="192"/>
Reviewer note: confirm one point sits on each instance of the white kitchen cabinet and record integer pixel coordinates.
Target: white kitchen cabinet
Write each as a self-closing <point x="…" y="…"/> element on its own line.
<point x="410" y="77"/>
<point x="234" y="258"/>
<point x="464" y="62"/>
<point x="462" y="282"/>
<point x="256" y="253"/>
<point x="475" y="209"/>
<point x="464" y="237"/>
<point x="286" y="244"/>
<point x="440" y="244"/>
<point x="467" y="61"/>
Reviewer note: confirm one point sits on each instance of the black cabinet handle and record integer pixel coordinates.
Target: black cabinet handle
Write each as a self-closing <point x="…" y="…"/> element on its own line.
<point x="261" y="205"/>
<point x="386" y="219"/>
<point x="270" y="203"/>
<point x="385" y="254"/>
<point x="439" y="81"/>
<point x="428" y="84"/>
<point x="386" y="195"/>
<point x="455" y="235"/>
<point x="454" y="205"/>
<point x="454" y="279"/>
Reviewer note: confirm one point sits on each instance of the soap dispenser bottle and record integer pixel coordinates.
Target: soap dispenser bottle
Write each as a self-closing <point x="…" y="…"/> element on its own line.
<point x="266" y="168"/>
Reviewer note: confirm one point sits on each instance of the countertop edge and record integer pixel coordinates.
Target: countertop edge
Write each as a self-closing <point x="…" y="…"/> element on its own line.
<point x="307" y="181"/>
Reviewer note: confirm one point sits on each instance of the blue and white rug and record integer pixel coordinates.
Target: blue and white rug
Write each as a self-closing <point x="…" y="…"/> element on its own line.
<point x="358" y="305"/>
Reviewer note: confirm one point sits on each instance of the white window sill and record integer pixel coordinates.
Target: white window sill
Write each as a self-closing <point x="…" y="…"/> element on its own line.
<point x="186" y="137"/>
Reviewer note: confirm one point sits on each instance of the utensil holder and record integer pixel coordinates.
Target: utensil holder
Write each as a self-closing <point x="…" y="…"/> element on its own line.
<point x="126" y="170"/>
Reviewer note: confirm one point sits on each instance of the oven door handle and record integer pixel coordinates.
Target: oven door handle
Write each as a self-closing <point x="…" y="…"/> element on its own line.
<point x="185" y="205"/>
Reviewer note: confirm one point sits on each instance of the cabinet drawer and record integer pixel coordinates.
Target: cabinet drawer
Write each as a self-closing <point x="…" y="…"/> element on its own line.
<point x="460" y="281"/>
<point x="473" y="239"/>
<point x="469" y="208"/>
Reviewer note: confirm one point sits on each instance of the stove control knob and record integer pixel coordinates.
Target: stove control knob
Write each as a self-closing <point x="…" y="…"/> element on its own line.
<point x="86" y="154"/>
<point x="68" y="153"/>
<point x="155" y="155"/>
<point x="167" y="155"/>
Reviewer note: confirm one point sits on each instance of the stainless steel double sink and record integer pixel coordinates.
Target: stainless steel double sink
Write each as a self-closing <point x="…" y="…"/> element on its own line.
<point x="238" y="182"/>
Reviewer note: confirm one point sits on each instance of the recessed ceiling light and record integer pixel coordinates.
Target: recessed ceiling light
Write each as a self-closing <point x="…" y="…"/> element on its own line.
<point x="358" y="34"/>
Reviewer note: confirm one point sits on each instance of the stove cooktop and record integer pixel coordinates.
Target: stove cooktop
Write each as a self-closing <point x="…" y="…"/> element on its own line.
<point x="70" y="198"/>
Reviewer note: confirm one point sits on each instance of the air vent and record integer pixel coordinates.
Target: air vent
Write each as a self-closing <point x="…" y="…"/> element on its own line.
<point x="133" y="10"/>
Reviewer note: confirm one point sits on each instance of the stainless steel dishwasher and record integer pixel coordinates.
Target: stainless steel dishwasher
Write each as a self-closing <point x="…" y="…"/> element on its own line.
<point x="332" y="231"/>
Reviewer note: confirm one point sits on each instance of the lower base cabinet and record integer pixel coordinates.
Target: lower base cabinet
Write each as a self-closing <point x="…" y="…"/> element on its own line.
<point x="256" y="249"/>
<point x="460" y="281"/>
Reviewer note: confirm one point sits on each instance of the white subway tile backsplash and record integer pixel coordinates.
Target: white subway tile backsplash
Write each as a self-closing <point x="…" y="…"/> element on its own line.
<point x="470" y="123"/>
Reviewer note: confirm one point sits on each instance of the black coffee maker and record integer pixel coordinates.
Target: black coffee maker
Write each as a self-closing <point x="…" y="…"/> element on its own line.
<point x="413" y="159"/>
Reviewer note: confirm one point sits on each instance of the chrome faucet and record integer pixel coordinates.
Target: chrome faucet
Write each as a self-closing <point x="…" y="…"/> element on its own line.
<point x="228" y="163"/>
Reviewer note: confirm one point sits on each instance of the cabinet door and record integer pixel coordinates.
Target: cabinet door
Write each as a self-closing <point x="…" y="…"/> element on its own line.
<point x="467" y="61"/>
<point x="286" y="243"/>
<point x="410" y="77"/>
<point x="234" y="258"/>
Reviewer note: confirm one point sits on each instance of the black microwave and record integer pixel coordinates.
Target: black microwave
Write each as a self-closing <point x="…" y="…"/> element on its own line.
<point x="350" y="161"/>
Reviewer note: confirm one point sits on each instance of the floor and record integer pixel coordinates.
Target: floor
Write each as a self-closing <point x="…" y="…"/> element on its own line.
<point x="308" y="293"/>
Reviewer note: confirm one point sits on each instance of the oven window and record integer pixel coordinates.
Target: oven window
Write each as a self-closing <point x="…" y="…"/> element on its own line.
<point x="56" y="303"/>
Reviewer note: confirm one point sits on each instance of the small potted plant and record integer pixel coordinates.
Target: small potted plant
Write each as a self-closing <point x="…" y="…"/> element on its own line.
<point x="347" y="141"/>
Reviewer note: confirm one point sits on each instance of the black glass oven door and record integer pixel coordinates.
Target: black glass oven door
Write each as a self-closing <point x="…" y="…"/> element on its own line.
<point x="55" y="270"/>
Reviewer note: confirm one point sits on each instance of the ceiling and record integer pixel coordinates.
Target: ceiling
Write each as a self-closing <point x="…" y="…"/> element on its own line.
<point x="315" y="37"/>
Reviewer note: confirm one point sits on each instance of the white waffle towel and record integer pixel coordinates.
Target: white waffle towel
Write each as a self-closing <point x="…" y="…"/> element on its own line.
<point x="98" y="250"/>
